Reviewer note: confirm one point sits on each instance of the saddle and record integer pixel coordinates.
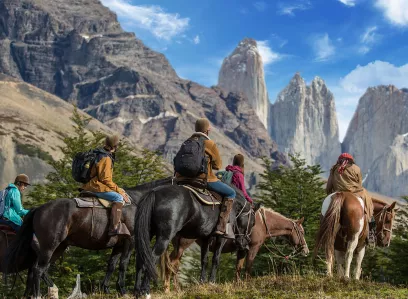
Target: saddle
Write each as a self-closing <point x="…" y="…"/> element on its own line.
<point x="198" y="189"/>
<point x="6" y="229"/>
<point x="90" y="200"/>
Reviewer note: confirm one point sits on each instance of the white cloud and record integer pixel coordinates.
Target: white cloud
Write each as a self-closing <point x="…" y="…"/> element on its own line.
<point x="375" y="73"/>
<point x="288" y="9"/>
<point x="370" y="35"/>
<point x="161" y="24"/>
<point x="364" y="50"/>
<point x="266" y="52"/>
<point x="260" y="6"/>
<point x="368" y="39"/>
<point x="196" y="40"/>
<point x="349" y="3"/>
<point x="350" y="89"/>
<point x="323" y="47"/>
<point x="396" y="11"/>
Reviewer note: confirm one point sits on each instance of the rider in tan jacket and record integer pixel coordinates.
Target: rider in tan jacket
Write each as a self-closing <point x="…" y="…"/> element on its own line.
<point x="345" y="176"/>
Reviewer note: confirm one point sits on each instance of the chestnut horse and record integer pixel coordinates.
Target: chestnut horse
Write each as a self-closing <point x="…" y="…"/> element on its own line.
<point x="268" y="223"/>
<point x="344" y="228"/>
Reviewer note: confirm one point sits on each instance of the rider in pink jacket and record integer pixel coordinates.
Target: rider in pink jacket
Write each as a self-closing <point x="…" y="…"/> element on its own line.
<point x="238" y="177"/>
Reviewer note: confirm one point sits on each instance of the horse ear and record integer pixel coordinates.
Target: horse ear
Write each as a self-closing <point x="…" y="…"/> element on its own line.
<point x="392" y="206"/>
<point x="257" y="206"/>
<point x="300" y="221"/>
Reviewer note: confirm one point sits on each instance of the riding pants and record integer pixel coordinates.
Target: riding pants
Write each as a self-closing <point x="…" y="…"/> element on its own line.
<point x="222" y="188"/>
<point x="110" y="196"/>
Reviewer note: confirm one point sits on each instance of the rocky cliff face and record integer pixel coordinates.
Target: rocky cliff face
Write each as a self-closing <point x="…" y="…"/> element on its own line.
<point x="303" y="120"/>
<point x="372" y="138"/>
<point x="77" y="50"/>
<point x="32" y="126"/>
<point x="243" y="72"/>
<point x="389" y="172"/>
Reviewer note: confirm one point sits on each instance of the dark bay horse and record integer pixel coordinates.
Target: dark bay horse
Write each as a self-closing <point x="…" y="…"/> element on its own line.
<point x="268" y="223"/>
<point x="344" y="228"/>
<point x="60" y="223"/>
<point x="170" y="210"/>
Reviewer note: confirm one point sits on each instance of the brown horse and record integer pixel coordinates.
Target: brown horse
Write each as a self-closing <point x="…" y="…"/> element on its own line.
<point x="60" y="223"/>
<point x="344" y="228"/>
<point x="268" y="223"/>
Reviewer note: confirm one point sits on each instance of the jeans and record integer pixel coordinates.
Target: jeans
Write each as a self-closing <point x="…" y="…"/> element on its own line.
<point x="221" y="188"/>
<point x="9" y="223"/>
<point x="109" y="196"/>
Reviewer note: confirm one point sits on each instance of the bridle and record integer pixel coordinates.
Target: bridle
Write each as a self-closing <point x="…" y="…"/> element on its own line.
<point x="296" y="248"/>
<point x="382" y="217"/>
<point x="248" y="230"/>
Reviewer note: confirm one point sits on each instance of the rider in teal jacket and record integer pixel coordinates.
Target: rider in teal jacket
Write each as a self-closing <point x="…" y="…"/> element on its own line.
<point x="13" y="208"/>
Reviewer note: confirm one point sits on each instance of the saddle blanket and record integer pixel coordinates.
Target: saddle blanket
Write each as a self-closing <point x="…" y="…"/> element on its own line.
<point x="8" y="230"/>
<point x="94" y="202"/>
<point x="204" y="196"/>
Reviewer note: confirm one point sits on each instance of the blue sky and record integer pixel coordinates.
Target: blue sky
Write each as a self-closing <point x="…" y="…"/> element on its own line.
<point x="351" y="44"/>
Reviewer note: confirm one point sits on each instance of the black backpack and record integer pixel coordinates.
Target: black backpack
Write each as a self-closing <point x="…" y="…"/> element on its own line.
<point x="191" y="160"/>
<point x="83" y="163"/>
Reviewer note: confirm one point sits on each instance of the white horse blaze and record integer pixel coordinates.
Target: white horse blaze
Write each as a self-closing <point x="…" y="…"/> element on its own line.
<point x="351" y="246"/>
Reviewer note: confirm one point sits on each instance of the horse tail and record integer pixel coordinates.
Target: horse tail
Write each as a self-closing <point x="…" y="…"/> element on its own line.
<point x="142" y="233"/>
<point x="329" y="226"/>
<point x="21" y="245"/>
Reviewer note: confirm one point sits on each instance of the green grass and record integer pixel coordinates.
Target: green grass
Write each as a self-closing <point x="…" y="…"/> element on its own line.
<point x="292" y="287"/>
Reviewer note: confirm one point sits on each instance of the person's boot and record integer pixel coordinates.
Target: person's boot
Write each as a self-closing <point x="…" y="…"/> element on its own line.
<point x="116" y="227"/>
<point x="224" y="218"/>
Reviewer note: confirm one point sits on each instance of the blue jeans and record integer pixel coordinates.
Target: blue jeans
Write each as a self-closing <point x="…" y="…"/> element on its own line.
<point x="221" y="188"/>
<point x="109" y="196"/>
<point x="10" y="223"/>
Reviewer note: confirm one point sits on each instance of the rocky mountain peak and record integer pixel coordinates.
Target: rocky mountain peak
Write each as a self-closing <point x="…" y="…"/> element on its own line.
<point x="242" y="72"/>
<point x="303" y="120"/>
<point x="381" y="116"/>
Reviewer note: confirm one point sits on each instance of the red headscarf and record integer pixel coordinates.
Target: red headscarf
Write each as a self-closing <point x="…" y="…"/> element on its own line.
<point x="343" y="160"/>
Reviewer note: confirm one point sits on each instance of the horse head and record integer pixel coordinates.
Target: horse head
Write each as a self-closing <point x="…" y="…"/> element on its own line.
<point x="297" y="237"/>
<point x="384" y="220"/>
<point x="245" y="221"/>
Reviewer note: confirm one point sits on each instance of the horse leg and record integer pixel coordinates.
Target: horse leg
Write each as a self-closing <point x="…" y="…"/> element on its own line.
<point x="340" y="262"/>
<point x="123" y="264"/>
<point x="162" y="242"/>
<point x="220" y="242"/>
<point x="40" y="269"/>
<point x="253" y="251"/>
<point x="113" y="260"/>
<point x="29" y="283"/>
<point x="351" y="246"/>
<point x="174" y="262"/>
<point x="205" y="249"/>
<point x="240" y="264"/>
<point x="329" y="264"/>
<point x="360" y="256"/>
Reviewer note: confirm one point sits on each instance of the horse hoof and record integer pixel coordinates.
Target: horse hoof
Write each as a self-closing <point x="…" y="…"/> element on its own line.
<point x="148" y="296"/>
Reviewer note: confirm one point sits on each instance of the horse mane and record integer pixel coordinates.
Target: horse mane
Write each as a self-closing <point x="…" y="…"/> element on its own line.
<point x="379" y="201"/>
<point x="151" y="184"/>
<point x="270" y="210"/>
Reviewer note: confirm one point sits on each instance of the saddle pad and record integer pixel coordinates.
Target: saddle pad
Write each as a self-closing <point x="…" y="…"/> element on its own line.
<point x="92" y="202"/>
<point x="8" y="230"/>
<point x="205" y="197"/>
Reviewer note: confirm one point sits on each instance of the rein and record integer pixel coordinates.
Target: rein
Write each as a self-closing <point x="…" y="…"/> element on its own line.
<point x="382" y="214"/>
<point x="296" y="250"/>
<point x="249" y="213"/>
